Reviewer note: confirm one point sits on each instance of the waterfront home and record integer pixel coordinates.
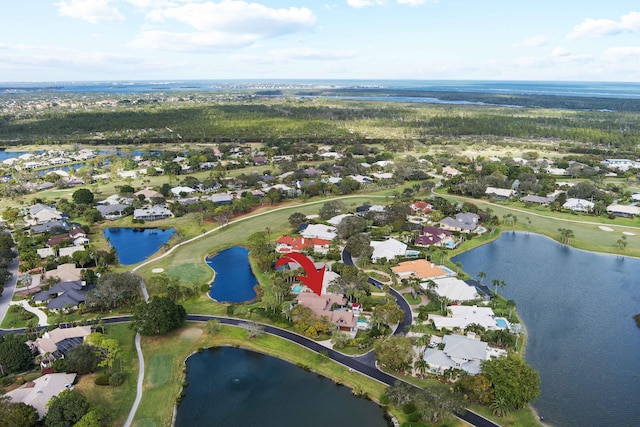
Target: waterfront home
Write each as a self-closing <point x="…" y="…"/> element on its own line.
<point x="433" y="236"/>
<point x="459" y="352"/>
<point x="466" y="222"/>
<point x="321" y="305"/>
<point x="59" y="341"/>
<point x="56" y="225"/>
<point x="76" y="235"/>
<point x="152" y="213"/>
<point x="462" y="316"/>
<point x="454" y="289"/>
<point x="39" y="392"/>
<point x="111" y="212"/>
<point x="65" y="272"/>
<point x="419" y="268"/>
<point x="388" y="249"/>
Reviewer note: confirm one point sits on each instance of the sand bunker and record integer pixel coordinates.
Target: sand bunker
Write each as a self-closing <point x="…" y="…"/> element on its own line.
<point x="157" y="270"/>
<point x="628" y="233"/>
<point x="191" y="334"/>
<point x="603" y="228"/>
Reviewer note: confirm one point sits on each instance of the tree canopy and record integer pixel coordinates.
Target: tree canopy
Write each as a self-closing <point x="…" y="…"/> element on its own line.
<point x="513" y="380"/>
<point x="395" y="353"/>
<point x="157" y="317"/>
<point x="17" y="414"/>
<point x="15" y="355"/>
<point x="82" y="196"/>
<point x="114" y="290"/>
<point x="66" y="409"/>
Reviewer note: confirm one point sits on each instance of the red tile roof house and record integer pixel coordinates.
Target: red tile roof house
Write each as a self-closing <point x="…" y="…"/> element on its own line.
<point x="321" y="305"/>
<point x="420" y="206"/>
<point x="286" y="244"/>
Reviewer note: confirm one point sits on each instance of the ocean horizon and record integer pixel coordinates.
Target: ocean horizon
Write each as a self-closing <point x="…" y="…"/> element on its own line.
<point x="620" y="90"/>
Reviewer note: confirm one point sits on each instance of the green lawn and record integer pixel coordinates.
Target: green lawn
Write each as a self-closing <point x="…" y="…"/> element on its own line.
<point x="159" y="370"/>
<point x="14" y="320"/>
<point x="117" y="400"/>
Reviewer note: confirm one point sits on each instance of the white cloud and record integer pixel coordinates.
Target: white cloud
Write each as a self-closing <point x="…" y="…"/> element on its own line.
<point x="560" y="52"/>
<point x="534" y="41"/>
<point x="416" y="2"/>
<point x="93" y="11"/>
<point x="228" y="24"/>
<point x="279" y="56"/>
<point x="359" y="4"/>
<point x="606" y="27"/>
<point x="618" y="54"/>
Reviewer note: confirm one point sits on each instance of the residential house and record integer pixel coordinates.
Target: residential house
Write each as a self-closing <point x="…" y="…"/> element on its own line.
<point x="363" y="180"/>
<point x="421" y="207"/>
<point x="319" y="231"/>
<point x="111" y="212"/>
<point x="152" y="213"/>
<point x="454" y="289"/>
<point x="76" y="235"/>
<point x="63" y="295"/>
<point x="499" y="193"/>
<point x="538" y="200"/>
<point x="286" y="244"/>
<point x="39" y="392"/>
<point x="626" y="211"/>
<point x="65" y="272"/>
<point x="450" y="171"/>
<point x="148" y="194"/>
<point x="336" y="220"/>
<point x="69" y="251"/>
<point x="419" y="268"/>
<point x="579" y="205"/>
<point x="59" y="341"/>
<point x="460" y="352"/>
<point x="56" y="225"/>
<point x="464" y="315"/>
<point x="464" y="222"/>
<point x="343" y="319"/>
<point x="433" y="236"/>
<point x="181" y="191"/>
<point x="388" y="249"/>
<point x="40" y="214"/>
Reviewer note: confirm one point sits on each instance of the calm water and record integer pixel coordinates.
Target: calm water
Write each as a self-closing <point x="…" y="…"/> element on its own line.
<point x="234" y="279"/>
<point x="137" y="244"/>
<point x="602" y="89"/>
<point x="234" y="387"/>
<point x="578" y="308"/>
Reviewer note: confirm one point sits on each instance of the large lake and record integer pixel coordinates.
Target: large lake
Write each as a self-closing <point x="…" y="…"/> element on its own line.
<point x="578" y="309"/>
<point x="234" y="387"/>
<point x="234" y="281"/>
<point x="134" y="245"/>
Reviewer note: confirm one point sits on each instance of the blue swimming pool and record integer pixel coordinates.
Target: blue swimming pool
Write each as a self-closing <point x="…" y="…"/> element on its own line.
<point x="447" y="270"/>
<point x="296" y="289"/>
<point x="502" y="323"/>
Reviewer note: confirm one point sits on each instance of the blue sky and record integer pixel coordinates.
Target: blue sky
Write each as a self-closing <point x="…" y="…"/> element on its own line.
<point x="78" y="40"/>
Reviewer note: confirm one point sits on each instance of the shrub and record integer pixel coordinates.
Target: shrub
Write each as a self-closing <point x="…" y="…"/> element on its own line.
<point x="117" y="379"/>
<point x="384" y="399"/>
<point x="204" y="287"/>
<point x="102" y="379"/>
<point x="409" y="408"/>
<point x="413" y="417"/>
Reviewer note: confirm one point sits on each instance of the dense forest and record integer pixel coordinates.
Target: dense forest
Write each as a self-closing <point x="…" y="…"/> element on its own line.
<point x="276" y="120"/>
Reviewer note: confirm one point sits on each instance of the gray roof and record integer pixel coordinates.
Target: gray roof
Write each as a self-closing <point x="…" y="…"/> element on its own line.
<point x="438" y="357"/>
<point x="110" y="209"/>
<point x="48" y="226"/>
<point x="462" y="347"/>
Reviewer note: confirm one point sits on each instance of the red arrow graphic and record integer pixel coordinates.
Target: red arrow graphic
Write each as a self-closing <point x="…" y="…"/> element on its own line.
<point x="314" y="277"/>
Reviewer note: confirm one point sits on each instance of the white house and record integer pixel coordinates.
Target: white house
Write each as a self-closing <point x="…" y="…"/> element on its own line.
<point x="627" y="211"/>
<point x="39" y="392"/>
<point x="178" y="191"/>
<point x="460" y="352"/>
<point x="152" y="213"/>
<point x="578" y="205"/>
<point x="499" y="193"/>
<point x="40" y="213"/>
<point x="319" y="231"/>
<point x="389" y="249"/>
<point x="455" y="289"/>
<point x="463" y="316"/>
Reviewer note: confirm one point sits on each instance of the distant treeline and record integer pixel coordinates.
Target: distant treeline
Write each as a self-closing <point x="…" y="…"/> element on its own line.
<point x="277" y="120"/>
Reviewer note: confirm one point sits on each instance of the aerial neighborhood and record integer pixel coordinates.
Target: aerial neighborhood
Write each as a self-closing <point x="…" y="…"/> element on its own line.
<point x="380" y="228"/>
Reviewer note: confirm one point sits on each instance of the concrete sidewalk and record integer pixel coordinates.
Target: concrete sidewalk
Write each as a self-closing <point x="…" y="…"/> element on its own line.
<point x="42" y="317"/>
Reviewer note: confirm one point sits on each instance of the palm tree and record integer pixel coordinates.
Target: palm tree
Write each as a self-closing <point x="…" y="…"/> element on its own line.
<point x="499" y="407"/>
<point x="481" y="276"/>
<point x="511" y="304"/>
<point x="421" y="366"/>
<point x="496" y="283"/>
<point x="458" y="267"/>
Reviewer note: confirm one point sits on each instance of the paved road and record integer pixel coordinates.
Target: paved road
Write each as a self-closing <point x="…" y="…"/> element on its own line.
<point x="9" y="288"/>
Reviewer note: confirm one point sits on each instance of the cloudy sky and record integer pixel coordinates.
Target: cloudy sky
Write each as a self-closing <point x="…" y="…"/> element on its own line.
<point x="75" y="40"/>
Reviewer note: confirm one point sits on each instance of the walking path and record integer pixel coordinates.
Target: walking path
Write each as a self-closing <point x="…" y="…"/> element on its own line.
<point x="42" y="317"/>
<point x="9" y="288"/>
<point x="136" y="402"/>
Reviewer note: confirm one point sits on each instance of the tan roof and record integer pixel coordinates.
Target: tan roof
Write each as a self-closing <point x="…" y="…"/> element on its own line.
<point x="47" y="344"/>
<point x="420" y="268"/>
<point x="148" y="193"/>
<point x="41" y="390"/>
<point x="66" y="273"/>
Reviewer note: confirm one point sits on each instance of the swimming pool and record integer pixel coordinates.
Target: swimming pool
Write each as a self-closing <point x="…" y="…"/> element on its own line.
<point x="296" y="289"/>
<point x="450" y="245"/>
<point x="502" y="323"/>
<point x="447" y="270"/>
<point x="412" y="253"/>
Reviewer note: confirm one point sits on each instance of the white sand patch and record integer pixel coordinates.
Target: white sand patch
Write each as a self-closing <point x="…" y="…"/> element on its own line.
<point x="628" y="233"/>
<point x="191" y="333"/>
<point x="157" y="270"/>
<point x="604" y="228"/>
